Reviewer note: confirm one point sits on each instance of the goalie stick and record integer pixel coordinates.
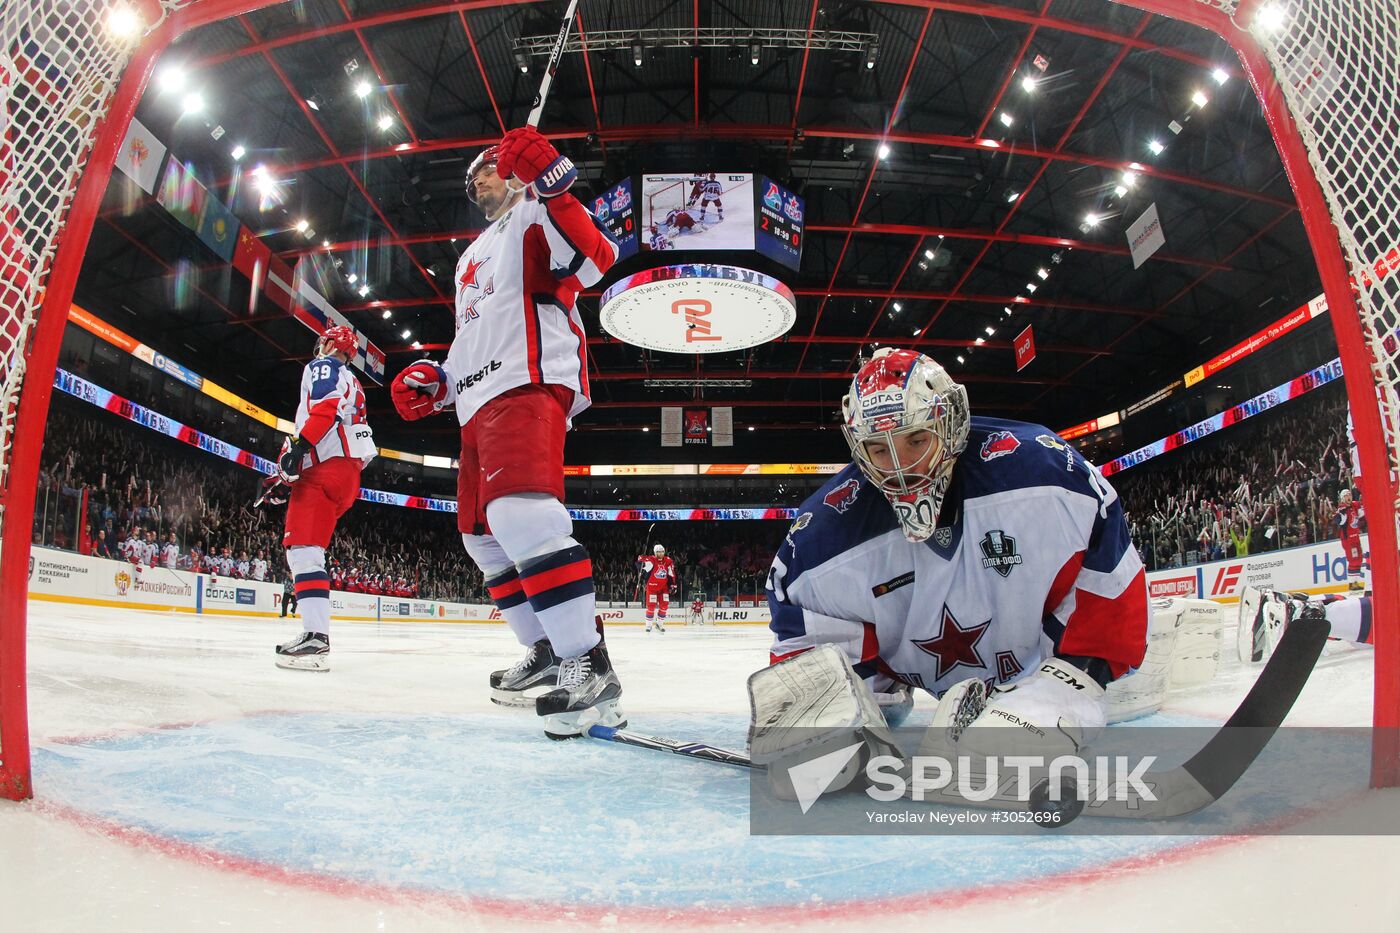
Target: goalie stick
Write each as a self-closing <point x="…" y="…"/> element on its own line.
<point x="1180" y="791"/>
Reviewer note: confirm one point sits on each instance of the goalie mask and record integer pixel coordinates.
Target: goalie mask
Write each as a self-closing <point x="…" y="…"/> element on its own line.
<point x="906" y="422"/>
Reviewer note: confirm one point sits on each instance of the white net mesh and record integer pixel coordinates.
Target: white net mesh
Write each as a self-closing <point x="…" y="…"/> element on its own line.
<point x="59" y="66"/>
<point x="1338" y="63"/>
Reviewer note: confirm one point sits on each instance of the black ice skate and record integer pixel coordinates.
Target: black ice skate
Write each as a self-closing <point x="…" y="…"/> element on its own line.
<point x="309" y="651"/>
<point x="520" y="684"/>
<point x="587" y="695"/>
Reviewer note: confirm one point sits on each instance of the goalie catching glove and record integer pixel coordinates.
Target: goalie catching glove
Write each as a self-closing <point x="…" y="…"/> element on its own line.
<point x="1055" y="711"/>
<point x="528" y="156"/>
<point x="423" y="389"/>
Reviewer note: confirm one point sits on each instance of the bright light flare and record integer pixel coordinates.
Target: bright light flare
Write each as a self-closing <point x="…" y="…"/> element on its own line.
<point x="123" y="22"/>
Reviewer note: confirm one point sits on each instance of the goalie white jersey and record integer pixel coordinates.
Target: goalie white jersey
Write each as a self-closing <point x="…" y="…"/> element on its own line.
<point x="516" y="320"/>
<point x="1031" y="557"/>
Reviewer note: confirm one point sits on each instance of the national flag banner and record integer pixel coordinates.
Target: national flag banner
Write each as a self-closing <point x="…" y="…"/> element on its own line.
<point x="218" y="228"/>
<point x="313" y="309"/>
<point x="182" y="195"/>
<point x="281" y="286"/>
<point x="1025" y="348"/>
<point x="251" y="257"/>
<point x="697" y="426"/>
<point x="140" y="156"/>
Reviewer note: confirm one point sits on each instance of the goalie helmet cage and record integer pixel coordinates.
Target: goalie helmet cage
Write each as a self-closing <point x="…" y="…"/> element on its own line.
<point x="1323" y="70"/>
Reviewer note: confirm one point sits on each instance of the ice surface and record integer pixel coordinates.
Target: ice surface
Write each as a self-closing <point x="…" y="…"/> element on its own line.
<point x="183" y="781"/>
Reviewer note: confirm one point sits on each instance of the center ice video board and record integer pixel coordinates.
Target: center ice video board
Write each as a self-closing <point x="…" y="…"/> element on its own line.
<point x="697" y="210"/>
<point x="721" y="211"/>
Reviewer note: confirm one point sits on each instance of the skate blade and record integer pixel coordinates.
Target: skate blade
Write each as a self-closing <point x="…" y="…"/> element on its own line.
<point x="310" y="663"/>
<point x="519" y="699"/>
<point x="562" y="726"/>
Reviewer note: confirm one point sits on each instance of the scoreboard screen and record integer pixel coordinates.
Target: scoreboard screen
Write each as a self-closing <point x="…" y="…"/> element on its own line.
<point x="615" y="210"/>
<point x="778" y="229"/>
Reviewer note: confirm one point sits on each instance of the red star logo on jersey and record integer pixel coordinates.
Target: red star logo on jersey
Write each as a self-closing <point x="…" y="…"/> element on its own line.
<point x="954" y="645"/>
<point x="468" y="279"/>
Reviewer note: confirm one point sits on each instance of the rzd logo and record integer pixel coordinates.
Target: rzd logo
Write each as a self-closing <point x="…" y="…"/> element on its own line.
<point x="1225" y="579"/>
<point x="697" y="313"/>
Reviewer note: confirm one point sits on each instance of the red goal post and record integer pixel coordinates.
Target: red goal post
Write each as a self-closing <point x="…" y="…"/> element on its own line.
<point x="72" y="114"/>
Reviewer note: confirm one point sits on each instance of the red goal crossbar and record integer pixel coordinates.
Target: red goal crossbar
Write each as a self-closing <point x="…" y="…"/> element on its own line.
<point x="1325" y="132"/>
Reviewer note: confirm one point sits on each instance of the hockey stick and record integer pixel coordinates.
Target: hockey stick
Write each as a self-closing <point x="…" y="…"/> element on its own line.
<point x="555" y="54"/>
<point x="642" y="573"/>
<point x="1179" y="791"/>
<point x="274" y="491"/>
<point x="698" y="750"/>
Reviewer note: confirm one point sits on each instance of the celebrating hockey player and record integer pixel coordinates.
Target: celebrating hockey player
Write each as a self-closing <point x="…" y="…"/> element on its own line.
<point x="517" y="375"/>
<point x="1348" y="520"/>
<point x="660" y="573"/>
<point x="321" y="465"/>
<point x="953" y="555"/>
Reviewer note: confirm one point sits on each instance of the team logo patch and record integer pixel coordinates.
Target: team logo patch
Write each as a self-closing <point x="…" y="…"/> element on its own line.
<point x="880" y="589"/>
<point x="844" y="496"/>
<point x="943" y="537"/>
<point x="999" y="444"/>
<point x="802" y="521"/>
<point x="1050" y="440"/>
<point x="999" y="552"/>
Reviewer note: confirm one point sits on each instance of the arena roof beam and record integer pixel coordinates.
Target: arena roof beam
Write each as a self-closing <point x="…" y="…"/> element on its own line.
<point x="1045" y="164"/>
<point x="874" y="168"/>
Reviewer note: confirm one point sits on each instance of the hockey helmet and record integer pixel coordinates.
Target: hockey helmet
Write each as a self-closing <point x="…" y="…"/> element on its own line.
<point x="906" y="421"/>
<point x="486" y="157"/>
<point x="659" y="551"/>
<point x="339" y="338"/>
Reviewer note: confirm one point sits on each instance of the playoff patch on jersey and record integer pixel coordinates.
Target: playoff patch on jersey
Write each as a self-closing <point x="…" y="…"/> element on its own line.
<point x="999" y="552"/>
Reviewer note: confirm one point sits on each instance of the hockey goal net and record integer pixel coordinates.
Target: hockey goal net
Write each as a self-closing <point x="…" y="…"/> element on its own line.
<point x="667" y="198"/>
<point x="1325" y="72"/>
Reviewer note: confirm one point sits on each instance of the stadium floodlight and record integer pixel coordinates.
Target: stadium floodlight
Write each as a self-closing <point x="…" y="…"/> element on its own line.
<point x="1220" y="76"/>
<point x="239" y="152"/>
<point x="123" y="22"/>
<point x="1028" y="84"/>
<point x="1006" y="118"/>
<point x="884" y="151"/>
<point x="385" y="121"/>
<point x="362" y="88"/>
<point x="1155" y="147"/>
<point x="1199" y="98"/>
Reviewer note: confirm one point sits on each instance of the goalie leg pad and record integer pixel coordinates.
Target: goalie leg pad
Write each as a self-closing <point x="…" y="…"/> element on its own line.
<point x="810" y="705"/>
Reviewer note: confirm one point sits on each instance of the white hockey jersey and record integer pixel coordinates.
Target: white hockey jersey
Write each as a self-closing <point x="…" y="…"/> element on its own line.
<point x="330" y="389"/>
<point x="1031" y="558"/>
<point x="516" y="320"/>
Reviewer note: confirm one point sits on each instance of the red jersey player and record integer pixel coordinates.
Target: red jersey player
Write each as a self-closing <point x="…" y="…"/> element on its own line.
<point x="322" y="466"/>
<point x="1349" y="518"/>
<point x="660" y="573"/>
<point x="516" y="373"/>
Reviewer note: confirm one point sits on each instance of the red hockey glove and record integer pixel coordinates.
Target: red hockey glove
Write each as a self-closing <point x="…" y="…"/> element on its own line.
<point x="423" y="389"/>
<point x="528" y="156"/>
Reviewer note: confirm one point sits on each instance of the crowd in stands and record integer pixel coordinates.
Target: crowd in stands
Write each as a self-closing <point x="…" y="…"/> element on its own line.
<point x="1267" y="484"/>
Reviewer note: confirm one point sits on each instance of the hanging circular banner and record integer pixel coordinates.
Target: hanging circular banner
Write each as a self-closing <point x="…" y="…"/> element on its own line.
<point x="698" y="308"/>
